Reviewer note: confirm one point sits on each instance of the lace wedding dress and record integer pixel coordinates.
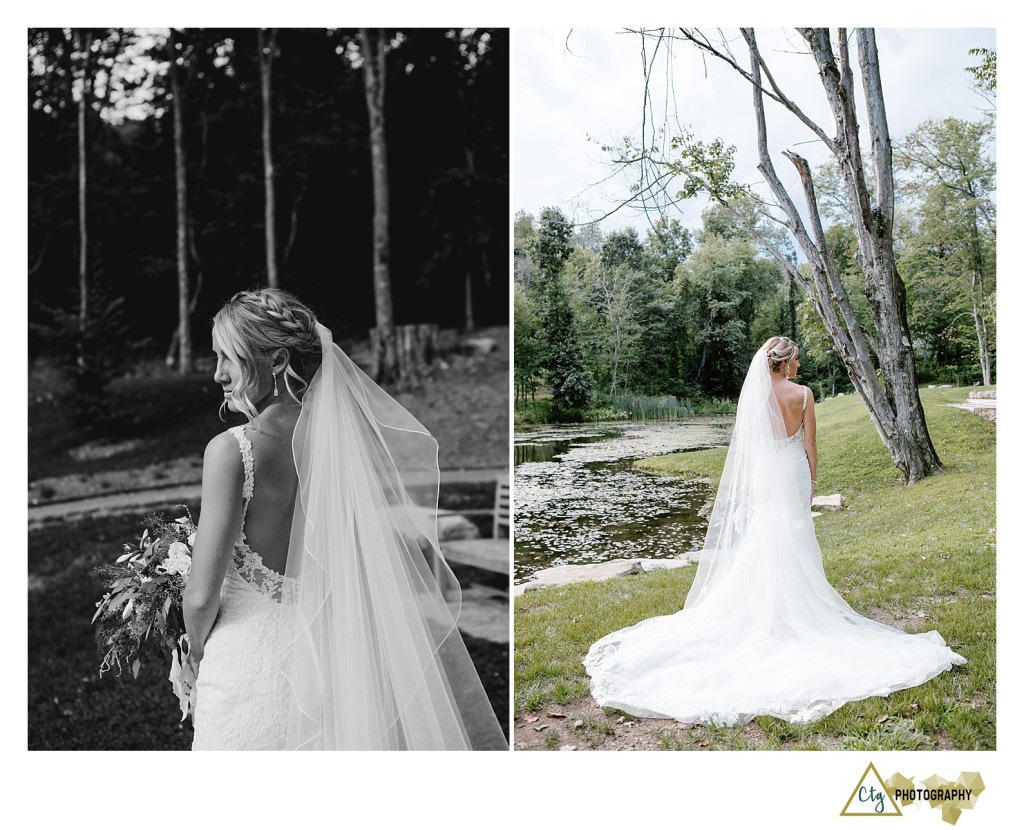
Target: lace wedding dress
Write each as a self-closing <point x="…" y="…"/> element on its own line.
<point x="241" y="690"/>
<point x="762" y="631"/>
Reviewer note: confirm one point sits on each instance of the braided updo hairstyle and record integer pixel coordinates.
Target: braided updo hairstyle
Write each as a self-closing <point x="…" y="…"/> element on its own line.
<point x="780" y="351"/>
<point x="252" y="325"/>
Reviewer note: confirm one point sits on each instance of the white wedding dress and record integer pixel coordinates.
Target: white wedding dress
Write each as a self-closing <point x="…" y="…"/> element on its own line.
<point x="241" y="691"/>
<point x="762" y="631"/>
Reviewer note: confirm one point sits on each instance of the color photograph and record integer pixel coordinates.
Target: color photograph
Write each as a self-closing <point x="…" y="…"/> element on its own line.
<point x="755" y="389"/>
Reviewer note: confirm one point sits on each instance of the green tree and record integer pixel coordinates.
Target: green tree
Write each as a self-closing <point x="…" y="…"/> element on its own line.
<point x="953" y="176"/>
<point x="613" y="293"/>
<point x="623" y="247"/>
<point x="563" y="359"/>
<point x="551" y="245"/>
<point x="564" y="363"/>
<point x="667" y="246"/>
<point x="524" y="235"/>
<point x="529" y="345"/>
<point x="726" y="284"/>
<point x="983" y="77"/>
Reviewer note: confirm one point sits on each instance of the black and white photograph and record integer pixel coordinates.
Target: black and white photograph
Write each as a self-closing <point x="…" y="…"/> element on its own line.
<point x="268" y="343"/>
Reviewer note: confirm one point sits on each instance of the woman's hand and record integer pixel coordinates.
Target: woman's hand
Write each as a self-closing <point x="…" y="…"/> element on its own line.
<point x="195" y="656"/>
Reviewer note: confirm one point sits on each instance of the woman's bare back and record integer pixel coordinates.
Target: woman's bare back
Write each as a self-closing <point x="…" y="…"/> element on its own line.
<point x="268" y="519"/>
<point x="790" y="397"/>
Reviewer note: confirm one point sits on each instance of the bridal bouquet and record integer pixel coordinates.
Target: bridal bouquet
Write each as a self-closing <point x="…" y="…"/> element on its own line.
<point x="140" y="615"/>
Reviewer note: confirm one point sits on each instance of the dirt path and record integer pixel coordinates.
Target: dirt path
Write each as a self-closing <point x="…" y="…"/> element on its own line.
<point x="584" y="726"/>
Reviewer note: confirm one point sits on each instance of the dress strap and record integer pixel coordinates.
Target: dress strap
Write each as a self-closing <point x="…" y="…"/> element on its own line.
<point x="245" y="446"/>
<point x="802" y="408"/>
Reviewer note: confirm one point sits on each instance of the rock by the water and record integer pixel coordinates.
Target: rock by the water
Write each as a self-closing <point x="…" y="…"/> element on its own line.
<point x="597" y="572"/>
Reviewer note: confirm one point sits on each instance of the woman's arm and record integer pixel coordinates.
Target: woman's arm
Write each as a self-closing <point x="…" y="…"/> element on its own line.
<point x="219" y="522"/>
<point x="810" y="439"/>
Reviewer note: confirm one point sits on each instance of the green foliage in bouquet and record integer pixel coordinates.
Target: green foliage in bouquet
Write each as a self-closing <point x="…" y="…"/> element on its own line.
<point x="140" y="616"/>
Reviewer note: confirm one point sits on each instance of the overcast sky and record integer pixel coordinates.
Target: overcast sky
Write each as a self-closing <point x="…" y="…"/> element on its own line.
<point x="575" y="89"/>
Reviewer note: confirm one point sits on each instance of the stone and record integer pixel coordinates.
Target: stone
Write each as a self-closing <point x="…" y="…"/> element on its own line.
<point x="482" y="345"/>
<point x="597" y="572"/>
<point x="833" y="502"/>
<point x="451" y="526"/>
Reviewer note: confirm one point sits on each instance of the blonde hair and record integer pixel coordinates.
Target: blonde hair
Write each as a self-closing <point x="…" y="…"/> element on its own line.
<point x="780" y="351"/>
<point x="252" y="325"/>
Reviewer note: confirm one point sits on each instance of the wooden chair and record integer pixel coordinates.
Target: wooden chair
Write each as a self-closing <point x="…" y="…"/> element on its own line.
<point x="491" y="554"/>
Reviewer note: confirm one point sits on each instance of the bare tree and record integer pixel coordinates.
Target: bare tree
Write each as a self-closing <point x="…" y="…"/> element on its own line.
<point x="612" y="292"/>
<point x="890" y="390"/>
<point x="266" y="50"/>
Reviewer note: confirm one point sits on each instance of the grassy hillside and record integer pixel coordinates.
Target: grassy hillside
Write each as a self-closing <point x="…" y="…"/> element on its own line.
<point x="920" y="558"/>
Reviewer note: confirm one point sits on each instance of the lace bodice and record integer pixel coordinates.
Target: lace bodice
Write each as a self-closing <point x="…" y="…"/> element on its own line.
<point x="248" y="562"/>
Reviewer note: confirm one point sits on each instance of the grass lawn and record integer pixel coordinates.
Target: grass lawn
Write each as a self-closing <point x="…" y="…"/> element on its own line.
<point x="919" y="558"/>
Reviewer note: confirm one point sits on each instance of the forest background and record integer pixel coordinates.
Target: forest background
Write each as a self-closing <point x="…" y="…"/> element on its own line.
<point x="271" y="152"/>
<point x="661" y="320"/>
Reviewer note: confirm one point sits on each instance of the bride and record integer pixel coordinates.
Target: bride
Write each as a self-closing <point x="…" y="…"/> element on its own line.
<point x="762" y="632"/>
<point x="312" y="614"/>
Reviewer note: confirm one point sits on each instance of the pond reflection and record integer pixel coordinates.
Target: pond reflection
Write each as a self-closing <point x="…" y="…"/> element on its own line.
<point x="579" y="500"/>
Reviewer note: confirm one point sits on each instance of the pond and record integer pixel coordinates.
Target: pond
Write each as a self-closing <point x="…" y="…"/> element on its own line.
<point x="578" y="499"/>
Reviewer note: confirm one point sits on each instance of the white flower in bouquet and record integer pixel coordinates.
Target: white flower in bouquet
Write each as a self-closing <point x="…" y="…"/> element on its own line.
<point x="178" y="561"/>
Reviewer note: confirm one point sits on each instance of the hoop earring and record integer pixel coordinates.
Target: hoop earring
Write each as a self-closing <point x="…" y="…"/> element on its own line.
<point x="275" y="385"/>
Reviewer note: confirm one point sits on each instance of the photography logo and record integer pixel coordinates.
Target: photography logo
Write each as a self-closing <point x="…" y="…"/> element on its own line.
<point x="874" y="797"/>
<point x="870" y="797"/>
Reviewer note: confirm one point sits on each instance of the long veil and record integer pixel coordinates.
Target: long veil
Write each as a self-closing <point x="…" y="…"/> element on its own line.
<point x="376" y="660"/>
<point x="759" y="494"/>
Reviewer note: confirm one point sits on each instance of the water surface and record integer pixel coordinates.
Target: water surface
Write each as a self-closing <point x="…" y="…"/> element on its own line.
<point x="578" y="499"/>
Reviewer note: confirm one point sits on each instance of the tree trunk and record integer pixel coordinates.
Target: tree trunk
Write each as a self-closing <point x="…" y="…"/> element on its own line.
<point x="470" y="321"/>
<point x="893" y="401"/>
<point x="615" y="365"/>
<point x="85" y="44"/>
<point x="385" y="350"/>
<point x="176" y="337"/>
<point x="293" y="225"/>
<point x="410" y="349"/>
<point x="977" y="298"/>
<point x="791" y="300"/>
<point x="181" y="192"/>
<point x="266" y="50"/>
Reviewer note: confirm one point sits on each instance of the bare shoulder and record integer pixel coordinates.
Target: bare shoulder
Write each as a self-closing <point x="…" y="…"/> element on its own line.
<point x="810" y="394"/>
<point x="222" y="459"/>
